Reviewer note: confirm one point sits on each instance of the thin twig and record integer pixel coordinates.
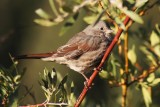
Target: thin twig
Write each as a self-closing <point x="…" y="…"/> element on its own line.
<point x="125" y="86"/>
<point x="145" y="74"/>
<point x="45" y="104"/>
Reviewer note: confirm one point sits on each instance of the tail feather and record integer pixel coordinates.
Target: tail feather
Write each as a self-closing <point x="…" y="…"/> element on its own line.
<point x="34" y="56"/>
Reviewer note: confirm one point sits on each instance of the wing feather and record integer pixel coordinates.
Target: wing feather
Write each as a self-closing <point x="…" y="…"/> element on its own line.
<point x="78" y="45"/>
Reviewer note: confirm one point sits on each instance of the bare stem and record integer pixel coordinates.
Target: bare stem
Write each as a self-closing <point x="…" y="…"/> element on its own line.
<point x="46" y="103"/>
<point x="145" y="74"/>
<point x="125" y="80"/>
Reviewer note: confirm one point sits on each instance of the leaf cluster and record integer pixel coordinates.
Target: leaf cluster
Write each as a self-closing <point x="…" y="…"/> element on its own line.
<point x="9" y="82"/>
<point x="55" y="92"/>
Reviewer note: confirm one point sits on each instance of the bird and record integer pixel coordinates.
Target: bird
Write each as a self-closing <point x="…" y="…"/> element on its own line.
<point x="83" y="52"/>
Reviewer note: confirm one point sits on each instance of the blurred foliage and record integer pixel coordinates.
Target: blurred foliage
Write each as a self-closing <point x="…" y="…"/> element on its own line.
<point x="56" y="93"/>
<point x="9" y="83"/>
<point x="143" y="50"/>
<point x="68" y="11"/>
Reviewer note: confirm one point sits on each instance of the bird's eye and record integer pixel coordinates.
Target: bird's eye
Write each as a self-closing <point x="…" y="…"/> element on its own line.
<point x="101" y="28"/>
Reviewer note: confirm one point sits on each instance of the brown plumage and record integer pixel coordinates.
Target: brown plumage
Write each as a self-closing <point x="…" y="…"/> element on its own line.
<point x="82" y="52"/>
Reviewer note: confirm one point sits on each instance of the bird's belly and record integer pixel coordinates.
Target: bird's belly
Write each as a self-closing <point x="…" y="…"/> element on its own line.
<point x="88" y="61"/>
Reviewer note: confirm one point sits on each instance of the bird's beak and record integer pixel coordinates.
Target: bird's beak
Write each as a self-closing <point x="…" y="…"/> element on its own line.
<point x="109" y="31"/>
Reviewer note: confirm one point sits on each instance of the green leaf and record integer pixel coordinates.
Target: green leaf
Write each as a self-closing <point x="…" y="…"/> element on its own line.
<point x="72" y="91"/>
<point x="61" y="84"/>
<point x="151" y="77"/>
<point x="155" y="42"/>
<point x="45" y="72"/>
<point x="113" y="68"/>
<point x="146" y="96"/>
<point x="45" y="82"/>
<point x="72" y="97"/>
<point x="90" y="19"/>
<point x="155" y="82"/>
<point x="152" y="59"/>
<point x="14" y="102"/>
<point x="45" y="22"/>
<point x="103" y="74"/>
<point x="120" y="23"/>
<point x="17" y="79"/>
<point x="151" y="56"/>
<point x="158" y="29"/>
<point x="131" y="1"/>
<point x="154" y="38"/>
<point x="54" y="76"/>
<point x="140" y="3"/>
<point x="42" y="14"/>
<point x="132" y="55"/>
<point x="134" y="16"/>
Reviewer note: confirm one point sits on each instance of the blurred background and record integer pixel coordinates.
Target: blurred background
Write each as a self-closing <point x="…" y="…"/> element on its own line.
<point x="20" y="35"/>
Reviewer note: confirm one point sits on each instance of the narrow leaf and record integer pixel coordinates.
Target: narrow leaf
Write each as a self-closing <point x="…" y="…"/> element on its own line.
<point x="134" y="16"/>
<point x="114" y="68"/>
<point x="154" y="38"/>
<point x="155" y="42"/>
<point x="42" y="14"/>
<point x="54" y="77"/>
<point x="17" y="79"/>
<point x="103" y="74"/>
<point x="90" y="19"/>
<point x="45" y="22"/>
<point x="132" y="55"/>
<point x="63" y="82"/>
<point x="140" y="3"/>
<point x="155" y="82"/>
<point x="151" y="77"/>
<point x="146" y="96"/>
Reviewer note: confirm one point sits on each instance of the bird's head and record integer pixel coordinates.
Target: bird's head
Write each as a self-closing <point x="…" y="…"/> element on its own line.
<point x="98" y="28"/>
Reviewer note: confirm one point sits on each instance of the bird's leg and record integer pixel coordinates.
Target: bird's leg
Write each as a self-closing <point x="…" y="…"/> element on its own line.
<point x="86" y="82"/>
<point x="85" y="77"/>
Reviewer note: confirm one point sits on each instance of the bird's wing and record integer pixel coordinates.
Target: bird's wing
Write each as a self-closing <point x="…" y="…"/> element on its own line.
<point x="78" y="45"/>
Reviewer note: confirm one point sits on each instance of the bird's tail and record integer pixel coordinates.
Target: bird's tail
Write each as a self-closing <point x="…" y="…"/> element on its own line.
<point x="34" y="56"/>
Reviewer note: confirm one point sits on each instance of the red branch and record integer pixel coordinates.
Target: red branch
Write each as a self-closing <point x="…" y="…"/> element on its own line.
<point x="108" y="51"/>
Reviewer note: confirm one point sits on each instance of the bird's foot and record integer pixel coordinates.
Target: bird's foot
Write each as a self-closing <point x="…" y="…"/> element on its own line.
<point x="98" y="69"/>
<point x="86" y="85"/>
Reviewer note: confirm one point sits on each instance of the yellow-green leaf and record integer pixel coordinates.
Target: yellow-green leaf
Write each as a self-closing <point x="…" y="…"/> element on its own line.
<point x="90" y="19"/>
<point x="154" y="38"/>
<point x="45" y="22"/>
<point x="155" y="42"/>
<point x="140" y="3"/>
<point x="103" y="74"/>
<point x="146" y="96"/>
<point x="151" y="77"/>
<point x="134" y="16"/>
<point x="132" y="55"/>
<point x="42" y="14"/>
<point x="155" y="82"/>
